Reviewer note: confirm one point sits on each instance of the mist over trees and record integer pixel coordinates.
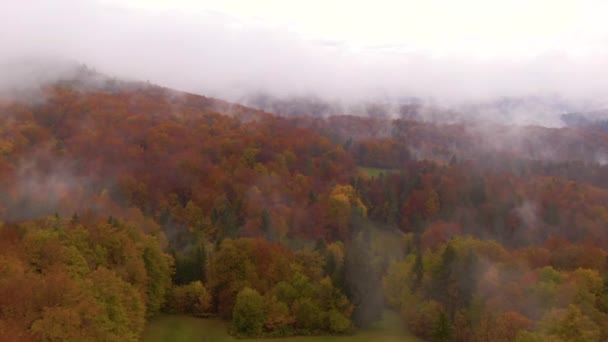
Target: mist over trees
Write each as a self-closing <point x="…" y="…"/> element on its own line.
<point x="304" y="169"/>
<point x="120" y="202"/>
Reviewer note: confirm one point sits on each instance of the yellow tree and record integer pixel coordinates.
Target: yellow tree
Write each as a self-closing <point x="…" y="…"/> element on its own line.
<point x="344" y="202"/>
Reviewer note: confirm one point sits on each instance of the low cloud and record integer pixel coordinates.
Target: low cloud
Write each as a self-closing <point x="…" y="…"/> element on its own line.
<point x="218" y="55"/>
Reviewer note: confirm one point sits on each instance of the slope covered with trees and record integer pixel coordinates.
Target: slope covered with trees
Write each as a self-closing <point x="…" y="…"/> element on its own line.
<point x="119" y="201"/>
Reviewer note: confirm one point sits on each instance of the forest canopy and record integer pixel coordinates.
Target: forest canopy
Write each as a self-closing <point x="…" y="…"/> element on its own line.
<point x="118" y="203"/>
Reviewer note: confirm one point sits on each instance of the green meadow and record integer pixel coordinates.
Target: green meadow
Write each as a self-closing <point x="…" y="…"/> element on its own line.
<point x="374" y="172"/>
<point x="170" y="328"/>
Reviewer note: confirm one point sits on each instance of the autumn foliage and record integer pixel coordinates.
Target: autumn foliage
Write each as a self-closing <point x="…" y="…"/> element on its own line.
<point x="121" y="201"/>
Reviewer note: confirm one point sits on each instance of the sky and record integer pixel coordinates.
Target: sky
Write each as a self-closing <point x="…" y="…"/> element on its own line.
<point x="477" y="27"/>
<point x="348" y="50"/>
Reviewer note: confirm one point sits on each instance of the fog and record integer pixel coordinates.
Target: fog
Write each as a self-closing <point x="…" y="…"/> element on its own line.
<point x="220" y="55"/>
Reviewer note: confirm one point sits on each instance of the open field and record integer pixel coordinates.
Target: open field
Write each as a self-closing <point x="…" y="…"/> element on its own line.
<point x="374" y="172"/>
<point x="184" y="328"/>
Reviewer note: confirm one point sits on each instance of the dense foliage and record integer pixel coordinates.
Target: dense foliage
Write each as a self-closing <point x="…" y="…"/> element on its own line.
<point x="66" y="280"/>
<point x="121" y="201"/>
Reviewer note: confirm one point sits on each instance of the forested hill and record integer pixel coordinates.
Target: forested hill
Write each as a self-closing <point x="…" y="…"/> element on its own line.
<point x="120" y="201"/>
<point x="442" y="141"/>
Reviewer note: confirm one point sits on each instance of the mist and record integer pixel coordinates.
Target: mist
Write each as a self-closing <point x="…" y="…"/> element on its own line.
<point x="219" y="55"/>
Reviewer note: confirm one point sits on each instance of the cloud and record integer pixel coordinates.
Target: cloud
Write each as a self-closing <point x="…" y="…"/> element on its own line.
<point x="219" y="55"/>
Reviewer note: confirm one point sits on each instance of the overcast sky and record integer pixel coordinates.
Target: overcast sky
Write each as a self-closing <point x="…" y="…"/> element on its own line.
<point x="454" y="50"/>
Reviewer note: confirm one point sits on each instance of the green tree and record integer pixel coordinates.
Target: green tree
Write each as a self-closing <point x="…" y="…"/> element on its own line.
<point x="603" y="295"/>
<point x="120" y="302"/>
<point x="191" y="264"/>
<point x="267" y="227"/>
<point x="338" y="323"/>
<point x="230" y="269"/>
<point x="362" y="285"/>
<point x="309" y="316"/>
<point x="225" y="217"/>
<point x="418" y="270"/>
<point x="443" y="279"/>
<point x="249" y="315"/>
<point x="443" y="329"/>
<point x="572" y="325"/>
<point x="278" y="315"/>
<point x="158" y="269"/>
<point x="397" y="282"/>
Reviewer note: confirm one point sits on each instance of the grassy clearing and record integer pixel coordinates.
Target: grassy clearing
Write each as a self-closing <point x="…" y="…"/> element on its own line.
<point x="375" y="172"/>
<point x="184" y="328"/>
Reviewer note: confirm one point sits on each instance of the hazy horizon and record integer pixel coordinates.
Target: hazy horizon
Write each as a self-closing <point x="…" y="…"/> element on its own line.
<point x="381" y="51"/>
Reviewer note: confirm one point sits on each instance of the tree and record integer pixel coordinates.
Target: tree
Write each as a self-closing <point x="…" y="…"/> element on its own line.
<point x="443" y="278"/>
<point x="418" y="270"/>
<point x="508" y="325"/>
<point x="438" y="233"/>
<point x="267" y="227"/>
<point x="331" y="298"/>
<point x="249" y="156"/>
<point x="363" y="286"/>
<point x="191" y="299"/>
<point x="572" y="325"/>
<point x="443" y="329"/>
<point x="603" y="295"/>
<point x="397" y="282"/>
<point x="338" y="323"/>
<point x="421" y="317"/>
<point x="478" y="192"/>
<point x="200" y="261"/>
<point x="309" y="316"/>
<point x="249" y="315"/>
<point x="158" y="269"/>
<point x="230" y="270"/>
<point x="122" y="306"/>
<point x="191" y="264"/>
<point x="343" y="205"/>
<point x="334" y="263"/>
<point x="225" y="218"/>
<point x="278" y="316"/>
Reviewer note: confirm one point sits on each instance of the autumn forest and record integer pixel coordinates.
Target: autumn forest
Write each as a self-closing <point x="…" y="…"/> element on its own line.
<point x="120" y="201"/>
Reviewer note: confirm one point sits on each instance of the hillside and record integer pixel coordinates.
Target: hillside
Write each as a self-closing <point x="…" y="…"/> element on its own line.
<point x="122" y="200"/>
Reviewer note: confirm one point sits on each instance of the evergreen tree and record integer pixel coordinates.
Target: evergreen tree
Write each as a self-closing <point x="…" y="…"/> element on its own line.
<point x="267" y="228"/>
<point x="603" y="295"/>
<point x="190" y="265"/>
<point x="443" y="329"/>
<point x="362" y="284"/>
<point x="466" y="279"/>
<point x="312" y="198"/>
<point x="225" y="218"/>
<point x="200" y="263"/>
<point x="443" y="285"/>
<point x="478" y="193"/>
<point x="418" y="270"/>
<point x="74" y="219"/>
